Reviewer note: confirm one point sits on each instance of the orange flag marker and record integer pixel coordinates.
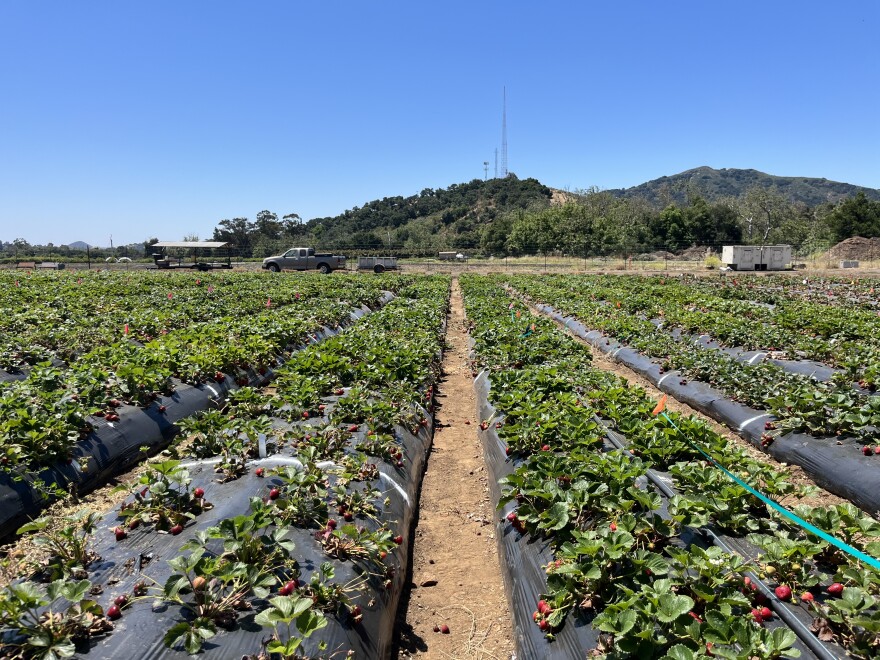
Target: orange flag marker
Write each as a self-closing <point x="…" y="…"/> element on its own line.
<point x="660" y="407"/>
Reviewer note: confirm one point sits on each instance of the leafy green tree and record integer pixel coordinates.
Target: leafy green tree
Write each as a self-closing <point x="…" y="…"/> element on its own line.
<point x="237" y="231"/>
<point x="856" y="216"/>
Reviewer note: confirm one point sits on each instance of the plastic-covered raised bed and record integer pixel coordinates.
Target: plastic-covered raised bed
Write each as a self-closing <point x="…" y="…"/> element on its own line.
<point x="601" y="556"/>
<point x="302" y="518"/>
<point x="111" y="447"/>
<point x="830" y="462"/>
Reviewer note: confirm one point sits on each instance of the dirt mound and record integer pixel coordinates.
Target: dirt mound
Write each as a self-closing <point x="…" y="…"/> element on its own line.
<point x="659" y="255"/>
<point x="863" y="249"/>
<point x="695" y="253"/>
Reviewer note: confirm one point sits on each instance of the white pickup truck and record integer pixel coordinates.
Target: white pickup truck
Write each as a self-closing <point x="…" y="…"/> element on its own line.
<point x="304" y="259"/>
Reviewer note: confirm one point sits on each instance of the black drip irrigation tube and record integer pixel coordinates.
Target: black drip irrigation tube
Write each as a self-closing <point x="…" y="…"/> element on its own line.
<point x="113" y="447"/>
<point x="803" y="633"/>
<point x="833" y="463"/>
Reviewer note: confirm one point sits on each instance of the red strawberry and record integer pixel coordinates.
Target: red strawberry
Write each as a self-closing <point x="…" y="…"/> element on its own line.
<point x="807" y="597"/>
<point x="877" y="449"/>
<point x="274" y="494"/>
<point x="756" y="615"/>
<point x="766" y="613"/>
<point x="199" y="493"/>
<point x="259" y="472"/>
<point x="288" y="588"/>
<point x="162" y="409"/>
<point x="543" y="607"/>
<point x="339" y="392"/>
<point x="544" y="625"/>
<point x="120" y="533"/>
<point x="436" y="628"/>
<point x="444" y="629"/>
<point x="353" y="428"/>
<point x="121" y="601"/>
<point x="113" y="612"/>
<point x="545" y="448"/>
<point x="613" y="527"/>
<point x="305" y="414"/>
<point x="783" y="592"/>
<point x="348" y="516"/>
<point x="331" y="524"/>
<point x="835" y="589"/>
<point x="177" y="529"/>
<point x="398" y="539"/>
<point x="484" y="425"/>
<point x="867" y="451"/>
<point x="511" y="517"/>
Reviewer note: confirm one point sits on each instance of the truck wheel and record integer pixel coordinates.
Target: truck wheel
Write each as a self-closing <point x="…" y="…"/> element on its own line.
<point x="324" y="269"/>
<point x="378" y="268"/>
<point x="274" y="268"/>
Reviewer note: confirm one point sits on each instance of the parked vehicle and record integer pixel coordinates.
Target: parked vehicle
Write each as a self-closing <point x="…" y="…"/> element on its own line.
<point x="300" y="258"/>
<point x="378" y="264"/>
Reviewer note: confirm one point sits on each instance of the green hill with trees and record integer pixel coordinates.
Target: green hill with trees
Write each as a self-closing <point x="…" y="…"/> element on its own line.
<point x="512" y="216"/>
<point x="713" y="185"/>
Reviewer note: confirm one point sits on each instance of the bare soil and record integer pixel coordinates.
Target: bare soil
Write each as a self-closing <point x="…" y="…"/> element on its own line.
<point x="456" y="577"/>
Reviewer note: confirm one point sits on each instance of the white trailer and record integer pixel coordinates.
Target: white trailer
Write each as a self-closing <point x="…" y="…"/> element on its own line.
<point x="756" y="257"/>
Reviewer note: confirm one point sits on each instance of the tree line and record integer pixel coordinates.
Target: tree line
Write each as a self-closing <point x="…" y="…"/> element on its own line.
<point x="509" y="216"/>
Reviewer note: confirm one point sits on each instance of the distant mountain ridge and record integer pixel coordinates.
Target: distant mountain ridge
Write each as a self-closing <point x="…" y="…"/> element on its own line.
<point x="712" y="184"/>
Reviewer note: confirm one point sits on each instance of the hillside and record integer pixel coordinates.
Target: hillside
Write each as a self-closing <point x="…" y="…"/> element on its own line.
<point x="712" y="185"/>
<point x="452" y="216"/>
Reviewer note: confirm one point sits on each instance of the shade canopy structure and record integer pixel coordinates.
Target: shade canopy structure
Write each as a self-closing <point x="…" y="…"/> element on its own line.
<point x="164" y="260"/>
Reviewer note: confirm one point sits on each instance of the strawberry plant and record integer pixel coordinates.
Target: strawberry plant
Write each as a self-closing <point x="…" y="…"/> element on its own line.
<point x="162" y="498"/>
<point x="213" y="590"/>
<point x="291" y="619"/>
<point x="67" y="545"/>
<point x="49" y="622"/>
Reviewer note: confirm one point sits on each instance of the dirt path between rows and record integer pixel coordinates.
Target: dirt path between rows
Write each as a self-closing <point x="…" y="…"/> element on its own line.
<point x="456" y="578"/>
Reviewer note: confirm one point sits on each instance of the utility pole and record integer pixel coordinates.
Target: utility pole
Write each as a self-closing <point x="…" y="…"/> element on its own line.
<point x="485" y="170"/>
<point x="504" y="137"/>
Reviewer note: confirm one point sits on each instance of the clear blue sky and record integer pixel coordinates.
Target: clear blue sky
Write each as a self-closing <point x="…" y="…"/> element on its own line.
<point x="142" y="119"/>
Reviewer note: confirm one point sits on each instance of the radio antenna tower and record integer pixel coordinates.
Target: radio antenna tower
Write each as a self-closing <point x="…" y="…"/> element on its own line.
<point x="485" y="170"/>
<point x="504" y="137"/>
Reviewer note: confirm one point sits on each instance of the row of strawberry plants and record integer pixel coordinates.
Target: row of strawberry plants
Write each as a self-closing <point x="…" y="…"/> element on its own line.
<point x="846" y="337"/>
<point x="61" y="316"/>
<point x="43" y="416"/>
<point x="798" y="402"/>
<point x="332" y="417"/>
<point x="838" y="291"/>
<point x="616" y="555"/>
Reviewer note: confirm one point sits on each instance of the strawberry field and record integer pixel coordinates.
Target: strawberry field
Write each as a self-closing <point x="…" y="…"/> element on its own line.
<point x="792" y="371"/>
<point x="282" y="427"/>
<point x="620" y="531"/>
<point x="277" y="521"/>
